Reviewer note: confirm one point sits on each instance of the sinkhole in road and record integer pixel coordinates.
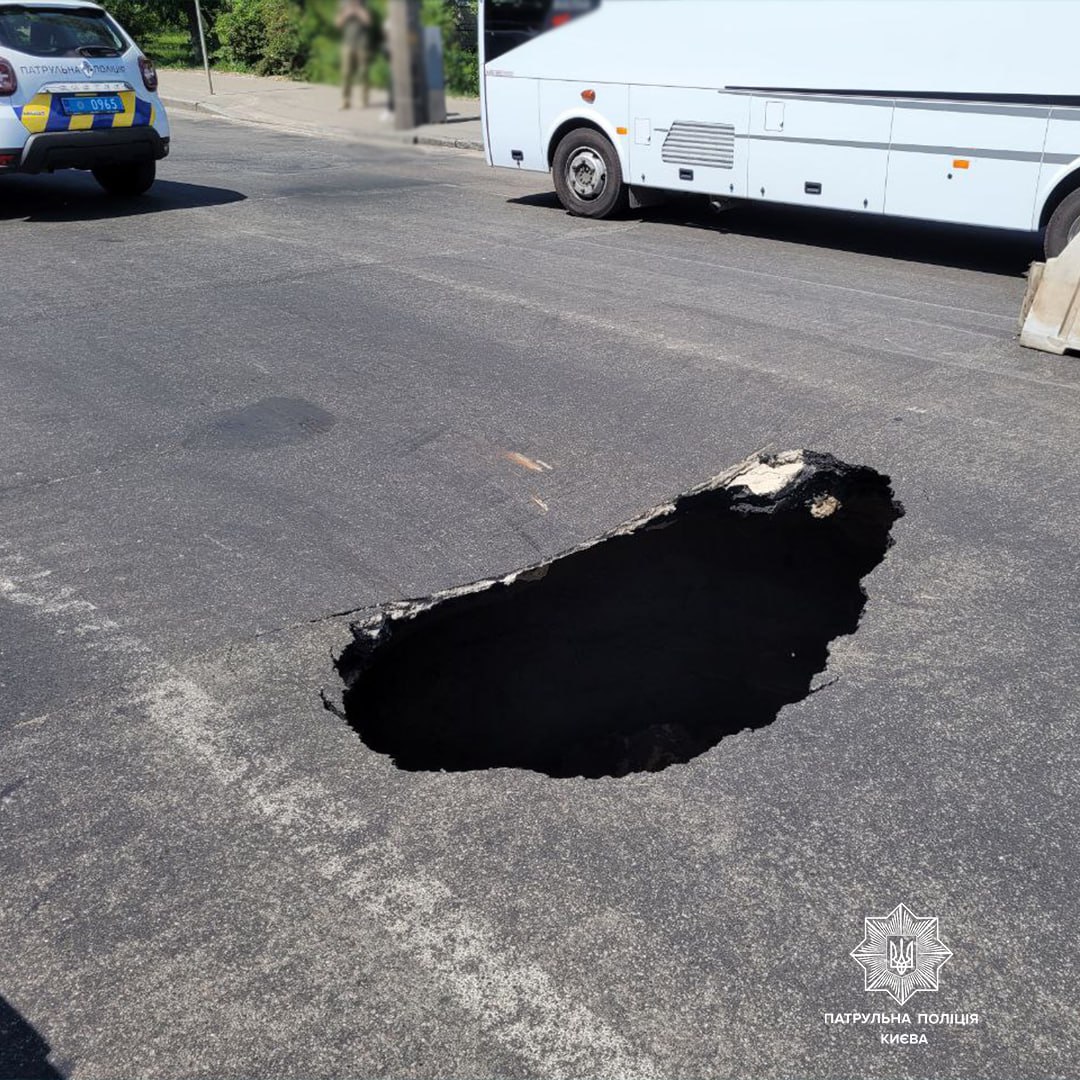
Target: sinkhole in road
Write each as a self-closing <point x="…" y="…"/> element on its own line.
<point x="640" y="649"/>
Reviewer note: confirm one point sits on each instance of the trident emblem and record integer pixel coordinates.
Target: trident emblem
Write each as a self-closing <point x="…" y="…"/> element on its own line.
<point x="901" y="955"/>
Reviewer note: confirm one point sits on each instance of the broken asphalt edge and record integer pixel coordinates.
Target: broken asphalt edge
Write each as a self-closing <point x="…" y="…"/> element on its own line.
<point x="764" y="475"/>
<point x="398" y="138"/>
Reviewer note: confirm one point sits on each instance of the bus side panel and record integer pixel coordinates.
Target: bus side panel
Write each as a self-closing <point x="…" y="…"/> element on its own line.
<point x="513" y="122"/>
<point x="973" y="165"/>
<point x="819" y="153"/>
<point x="1062" y="155"/>
<point x="688" y="139"/>
<point x="561" y="101"/>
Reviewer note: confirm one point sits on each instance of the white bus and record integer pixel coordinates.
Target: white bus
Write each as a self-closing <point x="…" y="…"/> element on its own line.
<point x="964" y="111"/>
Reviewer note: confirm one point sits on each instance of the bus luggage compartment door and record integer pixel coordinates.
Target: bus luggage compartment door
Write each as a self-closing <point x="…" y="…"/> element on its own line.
<point x="974" y="164"/>
<point x="688" y="140"/>
<point x="820" y="152"/>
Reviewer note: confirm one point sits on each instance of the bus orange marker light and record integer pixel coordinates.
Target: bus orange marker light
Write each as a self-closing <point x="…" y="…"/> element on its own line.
<point x="961" y="163"/>
<point x="588" y="96"/>
<point x="622" y="131"/>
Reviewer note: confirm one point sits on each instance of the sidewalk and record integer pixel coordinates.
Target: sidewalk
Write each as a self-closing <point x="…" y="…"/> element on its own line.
<point x="313" y="108"/>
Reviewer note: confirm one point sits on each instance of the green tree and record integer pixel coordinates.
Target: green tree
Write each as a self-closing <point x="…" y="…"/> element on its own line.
<point x="138" y="17"/>
<point x="267" y="36"/>
<point x="144" y="18"/>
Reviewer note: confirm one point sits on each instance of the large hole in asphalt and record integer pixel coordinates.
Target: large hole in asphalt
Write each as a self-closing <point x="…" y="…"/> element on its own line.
<point x="638" y="650"/>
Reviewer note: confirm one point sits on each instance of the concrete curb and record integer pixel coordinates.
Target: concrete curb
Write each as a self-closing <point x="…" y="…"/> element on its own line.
<point x="440" y="140"/>
<point x="184" y="105"/>
<point x="408" y="138"/>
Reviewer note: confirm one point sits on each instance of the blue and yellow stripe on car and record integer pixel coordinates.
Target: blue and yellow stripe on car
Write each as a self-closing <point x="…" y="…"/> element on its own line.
<point x="43" y="112"/>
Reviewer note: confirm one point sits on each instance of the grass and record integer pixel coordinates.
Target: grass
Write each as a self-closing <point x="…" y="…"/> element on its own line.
<point x="170" y="48"/>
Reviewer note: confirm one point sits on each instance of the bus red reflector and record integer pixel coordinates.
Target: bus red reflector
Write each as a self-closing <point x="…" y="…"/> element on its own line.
<point x="561" y="20"/>
<point x="588" y="96"/>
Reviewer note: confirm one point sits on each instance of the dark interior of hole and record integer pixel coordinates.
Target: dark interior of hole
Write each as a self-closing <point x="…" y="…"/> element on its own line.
<point x="637" y="653"/>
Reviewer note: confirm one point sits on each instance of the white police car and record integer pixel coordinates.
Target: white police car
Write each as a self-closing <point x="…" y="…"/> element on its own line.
<point x="77" y="93"/>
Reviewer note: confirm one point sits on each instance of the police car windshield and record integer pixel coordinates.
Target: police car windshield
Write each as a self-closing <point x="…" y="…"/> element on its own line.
<point x="59" y="32"/>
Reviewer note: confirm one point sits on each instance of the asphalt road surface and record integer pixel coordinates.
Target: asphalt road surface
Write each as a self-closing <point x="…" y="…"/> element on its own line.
<point x="286" y="387"/>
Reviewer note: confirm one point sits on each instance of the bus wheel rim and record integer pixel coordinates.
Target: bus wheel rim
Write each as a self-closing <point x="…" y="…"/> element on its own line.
<point x="586" y="173"/>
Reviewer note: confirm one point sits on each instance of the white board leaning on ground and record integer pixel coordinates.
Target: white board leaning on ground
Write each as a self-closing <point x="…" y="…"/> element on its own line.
<point x="945" y="110"/>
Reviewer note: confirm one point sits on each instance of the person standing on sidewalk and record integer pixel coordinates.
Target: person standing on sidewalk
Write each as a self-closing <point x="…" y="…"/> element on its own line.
<point x="354" y="22"/>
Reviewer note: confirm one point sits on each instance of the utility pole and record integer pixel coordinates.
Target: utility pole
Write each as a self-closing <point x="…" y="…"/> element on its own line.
<point x="407" y="64"/>
<point x="202" y="45"/>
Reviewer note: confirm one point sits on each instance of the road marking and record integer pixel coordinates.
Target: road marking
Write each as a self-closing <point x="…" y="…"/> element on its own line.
<point x="514" y="1000"/>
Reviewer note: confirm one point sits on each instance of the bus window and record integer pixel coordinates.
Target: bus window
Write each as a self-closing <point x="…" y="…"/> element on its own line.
<point x="510" y="23"/>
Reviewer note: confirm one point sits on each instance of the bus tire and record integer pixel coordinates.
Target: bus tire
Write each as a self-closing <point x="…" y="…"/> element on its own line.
<point x="588" y="175"/>
<point x="1063" y="226"/>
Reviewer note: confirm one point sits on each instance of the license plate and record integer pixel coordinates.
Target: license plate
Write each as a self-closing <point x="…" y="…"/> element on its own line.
<point x="92" y="106"/>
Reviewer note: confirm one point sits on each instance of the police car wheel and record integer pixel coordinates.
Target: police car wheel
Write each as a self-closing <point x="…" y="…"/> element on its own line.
<point x="128" y="179"/>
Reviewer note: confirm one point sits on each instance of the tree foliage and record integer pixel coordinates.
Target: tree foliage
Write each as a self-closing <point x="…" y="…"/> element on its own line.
<point x="138" y="17"/>
<point x="263" y="35"/>
<point x="143" y="19"/>
<point x="297" y="37"/>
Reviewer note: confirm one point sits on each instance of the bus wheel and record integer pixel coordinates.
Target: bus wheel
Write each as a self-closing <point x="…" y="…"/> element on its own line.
<point x="588" y="175"/>
<point x="1063" y="226"/>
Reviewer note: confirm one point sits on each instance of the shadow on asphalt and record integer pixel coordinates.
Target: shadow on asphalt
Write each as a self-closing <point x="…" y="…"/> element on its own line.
<point x="24" y="1054"/>
<point x="989" y="251"/>
<point x="75" y="196"/>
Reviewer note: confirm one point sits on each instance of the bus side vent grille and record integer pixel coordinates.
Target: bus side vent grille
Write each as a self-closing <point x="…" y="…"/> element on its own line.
<point x="691" y="143"/>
